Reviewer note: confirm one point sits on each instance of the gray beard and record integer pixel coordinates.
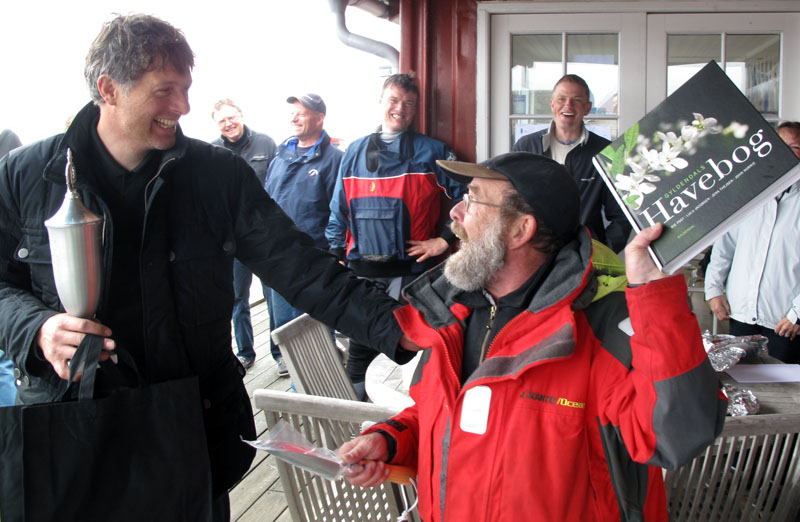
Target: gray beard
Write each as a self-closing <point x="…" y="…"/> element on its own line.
<point x="478" y="261"/>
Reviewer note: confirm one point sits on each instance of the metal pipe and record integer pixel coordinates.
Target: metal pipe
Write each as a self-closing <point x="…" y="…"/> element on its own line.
<point x="362" y="43"/>
<point x="373" y="7"/>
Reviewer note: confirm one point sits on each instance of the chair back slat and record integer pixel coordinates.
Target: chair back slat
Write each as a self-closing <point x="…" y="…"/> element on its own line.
<point x="312" y="358"/>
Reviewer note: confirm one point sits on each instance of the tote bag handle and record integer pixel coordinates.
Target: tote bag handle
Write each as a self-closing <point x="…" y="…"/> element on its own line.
<point x="86" y="361"/>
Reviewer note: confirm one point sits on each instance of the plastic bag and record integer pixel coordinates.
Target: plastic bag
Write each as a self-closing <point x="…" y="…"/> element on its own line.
<point x="287" y="444"/>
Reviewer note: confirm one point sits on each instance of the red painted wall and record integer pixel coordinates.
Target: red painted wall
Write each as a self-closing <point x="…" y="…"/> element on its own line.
<point x="439" y="43"/>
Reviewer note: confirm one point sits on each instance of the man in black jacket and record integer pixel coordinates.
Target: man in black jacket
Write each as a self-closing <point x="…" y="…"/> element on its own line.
<point x="257" y="149"/>
<point x="570" y="143"/>
<point x="177" y="212"/>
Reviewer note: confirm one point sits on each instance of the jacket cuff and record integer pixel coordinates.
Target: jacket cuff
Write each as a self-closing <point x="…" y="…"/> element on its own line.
<point x="712" y="292"/>
<point x="391" y="445"/>
<point x="339" y="252"/>
<point x="448" y="235"/>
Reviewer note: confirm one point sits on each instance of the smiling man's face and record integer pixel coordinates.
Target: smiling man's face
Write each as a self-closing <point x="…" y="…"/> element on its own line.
<point x="143" y="117"/>
<point x="569" y="103"/>
<point x="399" y="108"/>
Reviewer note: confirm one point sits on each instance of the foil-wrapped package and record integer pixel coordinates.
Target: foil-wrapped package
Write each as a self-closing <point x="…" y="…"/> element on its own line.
<point x="740" y="401"/>
<point x="726" y="350"/>
<point x="723" y="358"/>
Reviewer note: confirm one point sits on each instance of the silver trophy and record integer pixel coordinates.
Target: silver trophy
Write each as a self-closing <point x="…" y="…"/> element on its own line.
<point x="76" y="248"/>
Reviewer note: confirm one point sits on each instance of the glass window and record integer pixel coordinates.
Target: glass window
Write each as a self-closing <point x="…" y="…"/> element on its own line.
<point x="687" y="54"/>
<point x="521" y="127"/>
<point x="536" y="66"/>
<point x="608" y="129"/>
<point x="752" y="61"/>
<point x="595" y="58"/>
<point x="537" y="63"/>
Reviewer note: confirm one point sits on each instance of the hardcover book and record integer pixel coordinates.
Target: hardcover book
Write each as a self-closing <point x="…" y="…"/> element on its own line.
<point x="698" y="163"/>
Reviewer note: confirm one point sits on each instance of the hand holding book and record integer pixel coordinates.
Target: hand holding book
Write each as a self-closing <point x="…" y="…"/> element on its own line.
<point x="639" y="266"/>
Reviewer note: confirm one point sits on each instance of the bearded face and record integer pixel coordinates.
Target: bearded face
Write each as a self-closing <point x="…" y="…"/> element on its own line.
<point x="478" y="260"/>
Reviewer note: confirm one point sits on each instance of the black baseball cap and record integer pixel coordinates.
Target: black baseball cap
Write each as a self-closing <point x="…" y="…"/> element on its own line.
<point x="310" y="101"/>
<point x="544" y="184"/>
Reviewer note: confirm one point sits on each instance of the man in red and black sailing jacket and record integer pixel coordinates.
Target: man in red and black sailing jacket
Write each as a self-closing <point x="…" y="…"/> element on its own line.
<point x="389" y="204"/>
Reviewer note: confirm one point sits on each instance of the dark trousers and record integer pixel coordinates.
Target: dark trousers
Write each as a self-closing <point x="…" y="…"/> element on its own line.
<point x="781" y="348"/>
<point x="242" y="324"/>
<point x="221" y="508"/>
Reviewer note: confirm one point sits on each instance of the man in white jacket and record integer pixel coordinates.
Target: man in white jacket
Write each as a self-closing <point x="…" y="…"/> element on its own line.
<point x="753" y="278"/>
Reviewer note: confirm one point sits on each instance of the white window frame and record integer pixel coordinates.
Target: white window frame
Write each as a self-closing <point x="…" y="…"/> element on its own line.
<point x="489" y="111"/>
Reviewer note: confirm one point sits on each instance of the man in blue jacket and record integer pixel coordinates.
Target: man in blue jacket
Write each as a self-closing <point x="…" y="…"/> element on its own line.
<point x="301" y="180"/>
<point x="390" y="202"/>
<point x="257" y="149"/>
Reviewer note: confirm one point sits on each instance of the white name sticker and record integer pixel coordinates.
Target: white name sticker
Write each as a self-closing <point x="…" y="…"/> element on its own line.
<point x="626" y="326"/>
<point x="475" y="410"/>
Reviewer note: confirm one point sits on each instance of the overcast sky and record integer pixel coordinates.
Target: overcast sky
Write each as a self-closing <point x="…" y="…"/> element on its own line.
<point x="255" y="52"/>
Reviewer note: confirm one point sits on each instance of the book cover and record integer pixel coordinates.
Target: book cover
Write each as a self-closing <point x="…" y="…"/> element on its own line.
<point x="698" y="162"/>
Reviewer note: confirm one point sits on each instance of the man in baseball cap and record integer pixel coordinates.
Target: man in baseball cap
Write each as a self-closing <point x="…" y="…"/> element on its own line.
<point x="310" y="101"/>
<point x="301" y="180"/>
<point x="520" y="364"/>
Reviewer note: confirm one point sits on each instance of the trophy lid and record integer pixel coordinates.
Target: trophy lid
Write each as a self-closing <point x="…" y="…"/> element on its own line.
<point x="72" y="212"/>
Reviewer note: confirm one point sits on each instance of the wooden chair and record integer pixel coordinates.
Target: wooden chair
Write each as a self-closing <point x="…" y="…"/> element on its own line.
<point x="328" y="422"/>
<point x="312" y="358"/>
<point x="750" y="473"/>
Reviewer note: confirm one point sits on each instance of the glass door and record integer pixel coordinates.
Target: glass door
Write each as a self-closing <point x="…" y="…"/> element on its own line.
<point x="752" y="48"/>
<point x="531" y="52"/>
<point x="631" y="62"/>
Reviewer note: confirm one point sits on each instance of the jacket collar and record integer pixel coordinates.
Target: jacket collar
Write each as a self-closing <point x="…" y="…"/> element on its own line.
<point x="571" y="278"/>
<point x="77" y="138"/>
<point x="316" y="149"/>
<point x="551" y="135"/>
<point x="403" y="146"/>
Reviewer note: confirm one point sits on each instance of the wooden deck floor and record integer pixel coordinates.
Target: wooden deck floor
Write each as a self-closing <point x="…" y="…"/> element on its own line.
<point x="258" y="496"/>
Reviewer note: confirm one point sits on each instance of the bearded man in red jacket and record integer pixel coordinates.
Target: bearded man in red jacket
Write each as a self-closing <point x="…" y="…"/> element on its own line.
<point x="535" y="399"/>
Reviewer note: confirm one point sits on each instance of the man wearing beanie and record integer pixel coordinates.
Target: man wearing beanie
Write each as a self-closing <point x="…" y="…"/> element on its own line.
<point x="535" y="398"/>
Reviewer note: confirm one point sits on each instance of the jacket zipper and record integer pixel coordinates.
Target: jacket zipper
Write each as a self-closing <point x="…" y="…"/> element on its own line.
<point x="485" y="343"/>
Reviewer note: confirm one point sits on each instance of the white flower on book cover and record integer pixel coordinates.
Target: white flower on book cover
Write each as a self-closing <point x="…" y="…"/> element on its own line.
<point x="636" y="166"/>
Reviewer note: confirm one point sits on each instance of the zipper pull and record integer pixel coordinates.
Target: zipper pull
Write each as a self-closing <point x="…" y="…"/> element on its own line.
<point x="484" y="345"/>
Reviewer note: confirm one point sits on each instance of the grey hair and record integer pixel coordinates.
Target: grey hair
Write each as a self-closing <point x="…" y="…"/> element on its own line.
<point x="223" y="102"/>
<point x="129" y="46"/>
<point x="544" y="240"/>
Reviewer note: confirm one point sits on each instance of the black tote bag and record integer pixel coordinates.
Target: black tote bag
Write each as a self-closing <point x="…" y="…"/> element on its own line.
<point x="138" y="454"/>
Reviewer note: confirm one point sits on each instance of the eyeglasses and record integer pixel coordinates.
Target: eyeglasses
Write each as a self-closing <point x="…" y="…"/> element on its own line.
<point x="468" y="201"/>
<point x="230" y="119"/>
